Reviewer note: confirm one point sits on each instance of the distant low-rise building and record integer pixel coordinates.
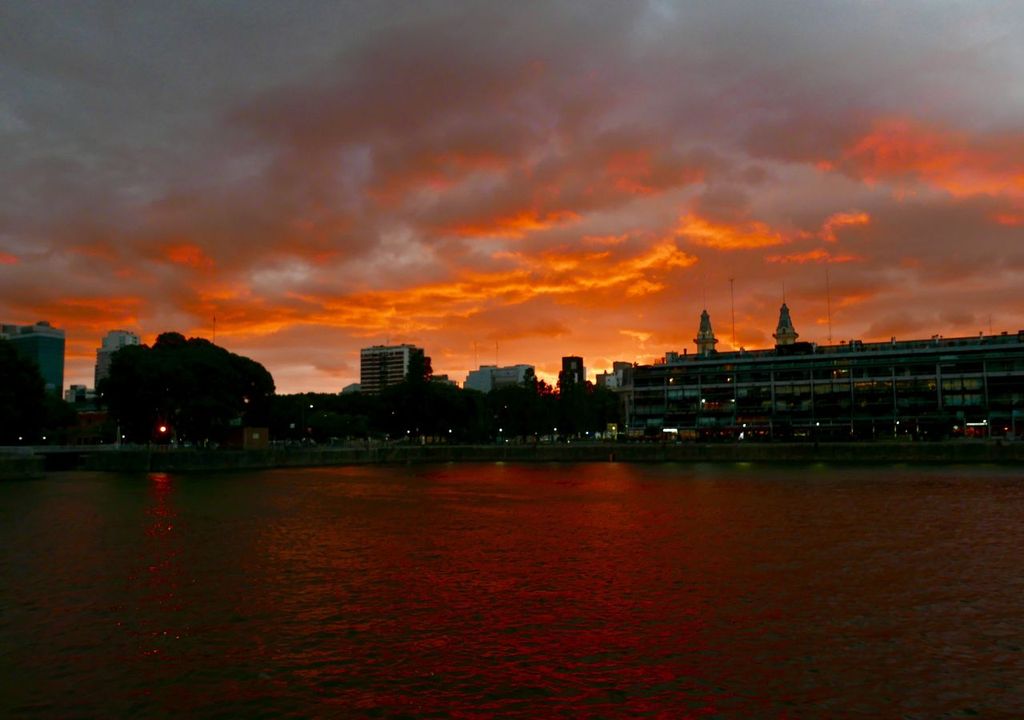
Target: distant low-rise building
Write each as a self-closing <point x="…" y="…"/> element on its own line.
<point x="490" y="377"/>
<point x="443" y="380"/>
<point x="80" y="395"/>
<point x="351" y="388"/>
<point x="616" y="378"/>
<point x="43" y="344"/>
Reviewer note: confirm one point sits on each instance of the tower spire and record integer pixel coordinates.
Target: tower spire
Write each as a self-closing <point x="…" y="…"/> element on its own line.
<point x="705" y="339"/>
<point x="785" y="333"/>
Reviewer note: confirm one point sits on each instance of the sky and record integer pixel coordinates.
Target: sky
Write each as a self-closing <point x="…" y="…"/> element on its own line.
<point x="509" y="182"/>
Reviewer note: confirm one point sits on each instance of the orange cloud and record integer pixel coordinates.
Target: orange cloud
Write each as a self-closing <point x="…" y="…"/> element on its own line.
<point x="722" y="236"/>
<point x="817" y="255"/>
<point x="637" y="172"/>
<point x="563" y="275"/>
<point x="841" y="220"/>
<point x="515" y="226"/>
<point x="436" y="170"/>
<point x="92" y="313"/>
<point x="898" y="148"/>
<point x="605" y="240"/>
<point x="638" y="335"/>
<point x="1009" y="219"/>
<point x="188" y="254"/>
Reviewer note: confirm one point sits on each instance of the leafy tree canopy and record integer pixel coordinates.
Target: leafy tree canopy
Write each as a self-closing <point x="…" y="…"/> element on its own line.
<point x="192" y="387"/>
<point x="22" y="396"/>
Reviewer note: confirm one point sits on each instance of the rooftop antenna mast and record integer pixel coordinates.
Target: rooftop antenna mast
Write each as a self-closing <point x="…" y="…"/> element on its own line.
<point x="828" y="303"/>
<point x="732" y="305"/>
<point x="215" y="329"/>
<point x="495" y="353"/>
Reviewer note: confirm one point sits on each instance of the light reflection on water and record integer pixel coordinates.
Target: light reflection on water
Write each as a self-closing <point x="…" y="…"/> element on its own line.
<point x="603" y="590"/>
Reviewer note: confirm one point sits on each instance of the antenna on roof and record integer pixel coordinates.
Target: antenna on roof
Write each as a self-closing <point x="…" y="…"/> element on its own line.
<point x="495" y="353"/>
<point x="214" y="329"/>
<point x="828" y="303"/>
<point x="732" y="305"/>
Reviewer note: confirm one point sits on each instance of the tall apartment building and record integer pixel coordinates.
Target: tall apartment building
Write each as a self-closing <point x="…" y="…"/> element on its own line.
<point x="43" y="344"/>
<point x="573" y="372"/>
<point x="382" y="366"/>
<point x="114" y="341"/>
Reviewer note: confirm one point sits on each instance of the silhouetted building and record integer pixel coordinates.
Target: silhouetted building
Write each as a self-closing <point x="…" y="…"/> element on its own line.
<point x="573" y="372"/>
<point x="489" y="377"/>
<point x="80" y="395"/>
<point x="931" y="388"/>
<point x="351" y="388"/>
<point x="112" y="342"/>
<point x="382" y="366"/>
<point x="43" y="344"/>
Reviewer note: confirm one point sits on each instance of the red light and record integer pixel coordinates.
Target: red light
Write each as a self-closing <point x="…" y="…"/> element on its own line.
<point x="163" y="428"/>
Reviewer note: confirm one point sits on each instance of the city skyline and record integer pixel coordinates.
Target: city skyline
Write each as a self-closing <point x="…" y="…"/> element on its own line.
<point x="564" y="179"/>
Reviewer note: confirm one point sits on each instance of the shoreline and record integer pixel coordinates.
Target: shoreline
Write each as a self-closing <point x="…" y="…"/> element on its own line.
<point x="24" y="465"/>
<point x="34" y="464"/>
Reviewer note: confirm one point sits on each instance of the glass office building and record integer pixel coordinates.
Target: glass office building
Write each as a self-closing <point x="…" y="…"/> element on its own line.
<point x="43" y="344"/>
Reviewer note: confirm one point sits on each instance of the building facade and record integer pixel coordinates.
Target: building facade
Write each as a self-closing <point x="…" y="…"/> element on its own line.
<point x="112" y="342"/>
<point x="617" y="378"/>
<point x="490" y="377"/>
<point x="382" y="366"/>
<point x="43" y="344"/>
<point x="79" y="395"/>
<point x="935" y="388"/>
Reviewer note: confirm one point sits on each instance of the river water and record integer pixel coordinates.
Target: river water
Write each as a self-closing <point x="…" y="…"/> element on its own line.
<point x="599" y="590"/>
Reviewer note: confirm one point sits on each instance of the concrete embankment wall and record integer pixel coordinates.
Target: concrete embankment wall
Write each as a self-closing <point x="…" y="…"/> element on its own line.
<point x="17" y="467"/>
<point x="203" y="461"/>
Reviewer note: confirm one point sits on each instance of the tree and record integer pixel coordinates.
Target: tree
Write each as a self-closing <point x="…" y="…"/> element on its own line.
<point x="22" y="397"/>
<point x="192" y="388"/>
<point x="420" y="370"/>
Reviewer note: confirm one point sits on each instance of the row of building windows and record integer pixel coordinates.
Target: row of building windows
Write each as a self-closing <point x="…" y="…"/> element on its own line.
<point x="950" y="390"/>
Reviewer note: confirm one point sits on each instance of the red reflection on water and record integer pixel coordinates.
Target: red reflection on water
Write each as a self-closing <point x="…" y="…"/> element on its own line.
<point x="154" y="619"/>
<point x="519" y="588"/>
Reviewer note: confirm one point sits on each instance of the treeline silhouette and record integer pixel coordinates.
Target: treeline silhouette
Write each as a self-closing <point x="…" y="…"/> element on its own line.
<point x="424" y="411"/>
<point x="192" y="391"/>
<point x="28" y="414"/>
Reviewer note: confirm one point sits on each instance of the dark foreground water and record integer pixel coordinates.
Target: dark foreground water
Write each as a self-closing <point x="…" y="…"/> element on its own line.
<point x="531" y="591"/>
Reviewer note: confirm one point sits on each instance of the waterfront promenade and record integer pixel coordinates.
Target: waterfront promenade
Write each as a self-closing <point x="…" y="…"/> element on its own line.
<point x="28" y="462"/>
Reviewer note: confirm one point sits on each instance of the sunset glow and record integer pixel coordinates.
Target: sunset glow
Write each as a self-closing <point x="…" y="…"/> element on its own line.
<point x="541" y="180"/>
